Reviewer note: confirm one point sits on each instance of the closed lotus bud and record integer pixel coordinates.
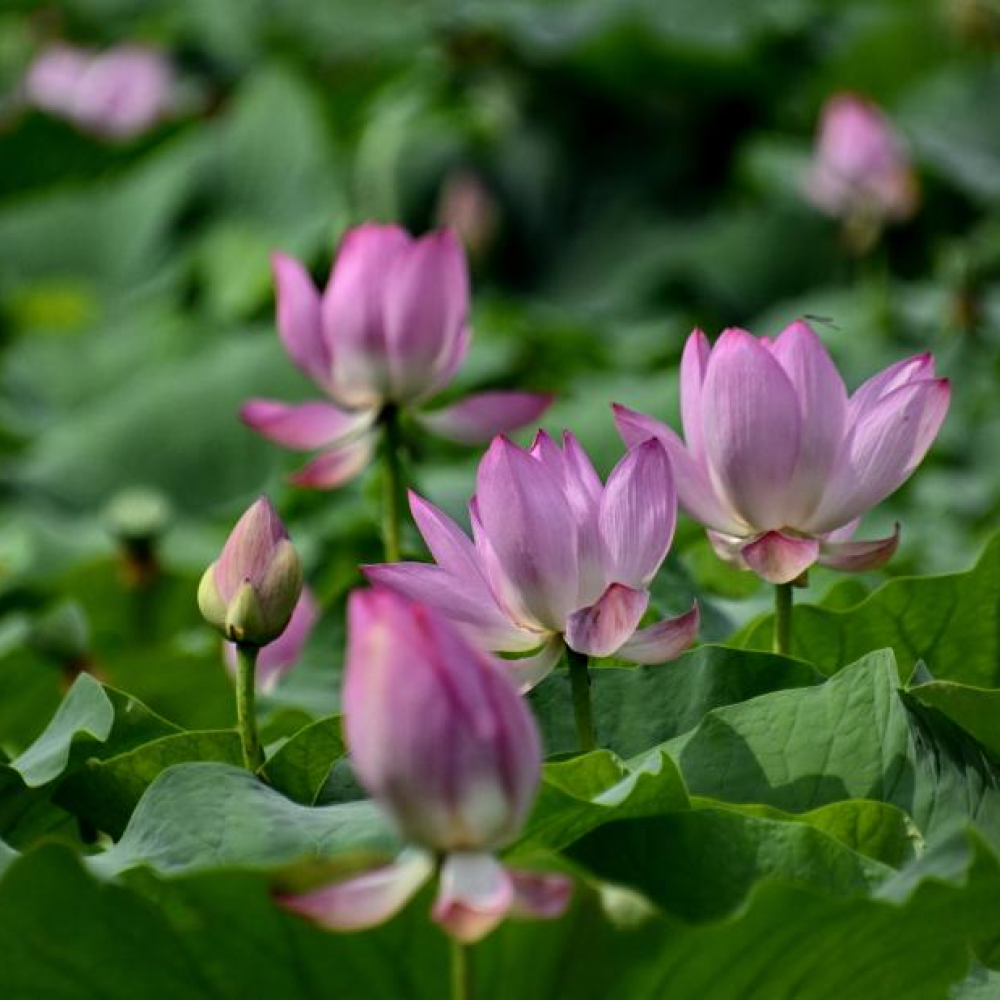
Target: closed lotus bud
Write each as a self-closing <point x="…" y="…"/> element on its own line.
<point x="250" y="591"/>
<point x="439" y="735"/>
<point x="860" y="168"/>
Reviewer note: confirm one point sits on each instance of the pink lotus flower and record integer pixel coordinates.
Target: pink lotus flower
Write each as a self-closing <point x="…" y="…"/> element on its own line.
<point x="391" y="329"/>
<point x="120" y="93"/>
<point x="860" y="167"/>
<point x="779" y="463"/>
<point x="559" y="559"/>
<point x="251" y="590"/>
<point x="442" y="741"/>
<point x="278" y="657"/>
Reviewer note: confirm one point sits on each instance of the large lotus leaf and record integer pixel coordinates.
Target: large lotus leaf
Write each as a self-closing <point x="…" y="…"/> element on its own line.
<point x="950" y="621"/>
<point x="637" y="707"/>
<point x="855" y="736"/>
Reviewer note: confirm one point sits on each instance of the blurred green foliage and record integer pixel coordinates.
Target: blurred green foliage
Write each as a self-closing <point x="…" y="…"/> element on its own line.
<point x="641" y="162"/>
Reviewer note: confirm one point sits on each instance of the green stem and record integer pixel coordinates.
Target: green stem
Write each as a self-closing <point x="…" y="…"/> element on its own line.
<point x="246" y="713"/>
<point x="782" y="618"/>
<point x="392" y="479"/>
<point x="579" y="681"/>
<point x="461" y="971"/>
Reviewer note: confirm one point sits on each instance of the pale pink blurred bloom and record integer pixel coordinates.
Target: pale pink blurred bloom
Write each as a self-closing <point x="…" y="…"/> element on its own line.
<point x="778" y="462"/>
<point x="390" y="329"/>
<point x="860" y="167"/>
<point x="119" y="93"/>
<point x="466" y="206"/>
<point x="441" y="740"/>
<point x="559" y="559"/>
<point x="277" y="658"/>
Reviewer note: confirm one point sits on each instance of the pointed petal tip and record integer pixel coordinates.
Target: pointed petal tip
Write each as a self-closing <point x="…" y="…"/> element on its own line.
<point x="855" y="557"/>
<point x="664" y="641"/>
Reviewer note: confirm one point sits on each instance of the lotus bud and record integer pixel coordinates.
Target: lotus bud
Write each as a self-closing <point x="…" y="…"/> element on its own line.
<point x="438" y="733"/>
<point x="442" y="741"/>
<point x="250" y="591"/>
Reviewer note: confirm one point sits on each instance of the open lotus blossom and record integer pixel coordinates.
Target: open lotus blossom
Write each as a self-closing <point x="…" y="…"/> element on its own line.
<point x="250" y="592"/>
<point x="559" y="559"/>
<point x="442" y="741"/>
<point x="779" y="463"/>
<point x="277" y="658"/>
<point x="119" y="93"/>
<point x="860" y="167"/>
<point x="390" y="331"/>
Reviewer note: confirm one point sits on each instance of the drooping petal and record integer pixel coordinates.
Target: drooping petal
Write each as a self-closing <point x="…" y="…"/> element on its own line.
<point x="881" y="451"/>
<point x="697" y="494"/>
<point x="857" y="556"/>
<point x="528" y="671"/>
<point x="353" y="310"/>
<point x="752" y="428"/>
<point x="438" y="733"/>
<point x="540" y="895"/>
<point x="602" y="628"/>
<point x="303" y="426"/>
<point x="526" y="517"/>
<point x="638" y="512"/>
<point x="425" y="311"/>
<point x="915" y="369"/>
<point x="300" y="323"/>
<point x="780" y="558"/>
<point x="663" y="641"/>
<point x="482" y="415"/>
<point x="475" y="894"/>
<point x="823" y="409"/>
<point x="464" y="600"/>
<point x="337" y="465"/>
<point x="694" y="364"/>
<point x="366" y="900"/>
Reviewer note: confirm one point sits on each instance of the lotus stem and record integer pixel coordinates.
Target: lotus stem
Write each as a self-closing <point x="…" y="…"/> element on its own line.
<point x="782" y="618"/>
<point x="579" y="680"/>
<point x="461" y="971"/>
<point x="246" y="712"/>
<point x="391" y="482"/>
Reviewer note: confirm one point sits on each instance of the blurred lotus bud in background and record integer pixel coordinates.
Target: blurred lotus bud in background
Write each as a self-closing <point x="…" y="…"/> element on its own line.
<point x="860" y="171"/>
<point x="467" y="206"/>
